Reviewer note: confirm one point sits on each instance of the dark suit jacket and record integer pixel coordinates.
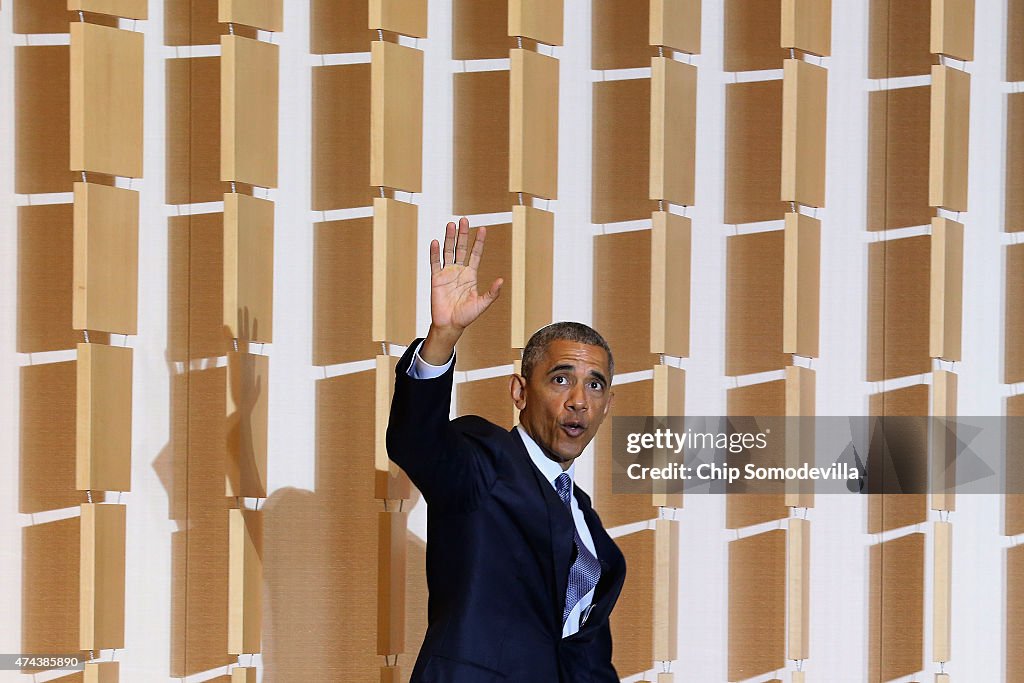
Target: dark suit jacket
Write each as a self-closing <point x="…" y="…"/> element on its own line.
<point x="499" y="541"/>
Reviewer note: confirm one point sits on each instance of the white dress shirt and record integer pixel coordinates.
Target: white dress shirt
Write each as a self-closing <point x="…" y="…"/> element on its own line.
<point x="420" y="369"/>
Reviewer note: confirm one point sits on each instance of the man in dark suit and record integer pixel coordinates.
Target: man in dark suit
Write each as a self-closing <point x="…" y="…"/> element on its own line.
<point x="522" y="575"/>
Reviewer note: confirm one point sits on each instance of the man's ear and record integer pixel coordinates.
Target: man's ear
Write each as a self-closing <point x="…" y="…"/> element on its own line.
<point x="517" y="387"/>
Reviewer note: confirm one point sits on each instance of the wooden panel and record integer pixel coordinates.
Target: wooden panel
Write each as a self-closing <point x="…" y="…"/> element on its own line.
<point x="757" y="604"/>
<point x="47" y="438"/>
<point x="261" y="14"/>
<point x="1014" y="508"/>
<point x="394" y="270"/>
<point x="246" y="412"/>
<point x="898" y="36"/>
<point x="619" y="31"/>
<point x="898" y="152"/>
<point x="241" y="674"/>
<point x="946" y="300"/>
<point x="756" y="400"/>
<point x="1014" y="342"/>
<point x="893" y="511"/>
<point x="898" y="303"/>
<point x="753" y="152"/>
<point x="488" y="398"/>
<point x="390" y="481"/>
<point x="670" y="284"/>
<point x="676" y="24"/>
<point x="632" y="399"/>
<point x="391" y="530"/>
<point x="952" y="28"/>
<point x="248" y="111"/>
<point x="533" y="124"/>
<point x="752" y="35"/>
<point x="485" y="343"/>
<point x="1014" y="48"/>
<point x="245" y="580"/>
<point x="129" y="9"/>
<point x="673" y="130"/>
<point x="950" y="127"/>
<point x="801" y="285"/>
<point x="106" y="100"/>
<point x="101" y="613"/>
<point x="480" y="164"/>
<point x="106" y="260"/>
<point x="41" y="118"/>
<point x="391" y="674"/>
<point x="407" y="17"/>
<point x="807" y="26"/>
<point x="666" y="590"/>
<point x="248" y="268"/>
<point x="1015" y="611"/>
<point x="622" y="311"/>
<point x="632" y="621"/>
<point x="669" y="399"/>
<point x="103" y="412"/>
<point x="194" y="22"/>
<point x="798" y="582"/>
<point x="339" y="26"/>
<point x="102" y="672"/>
<point x="396" y="117"/>
<point x="199" y="322"/>
<point x="539" y="20"/>
<point x="341" y="137"/>
<point x="942" y="587"/>
<point x="193" y="131"/>
<point x="479" y="29"/>
<point x="942" y="466"/>
<point x="754" y="303"/>
<point x="621" y="151"/>
<point x="343" y="263"/>
<point x="896" y="608"/>
<point x="1015" y="161"/>
<point x="50" y="16"/>
<point x="532" y="285"/>
<point x="804" y="105"/>
<point x="50" y="586"/>
<point x="801" y="393"/>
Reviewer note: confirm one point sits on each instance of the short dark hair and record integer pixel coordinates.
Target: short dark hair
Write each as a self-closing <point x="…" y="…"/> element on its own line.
<point x="568" y="331"/>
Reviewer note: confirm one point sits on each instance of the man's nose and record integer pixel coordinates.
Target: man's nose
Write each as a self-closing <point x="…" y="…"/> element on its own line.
<point x="577" y="399"/>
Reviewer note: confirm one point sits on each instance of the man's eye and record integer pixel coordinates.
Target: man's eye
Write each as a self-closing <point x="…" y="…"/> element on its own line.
<point x="596" y="385"/>
<point x="559" y="379"/>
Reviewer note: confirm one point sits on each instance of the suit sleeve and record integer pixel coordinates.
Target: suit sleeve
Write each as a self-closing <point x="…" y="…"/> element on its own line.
<point x="444" y="465"/>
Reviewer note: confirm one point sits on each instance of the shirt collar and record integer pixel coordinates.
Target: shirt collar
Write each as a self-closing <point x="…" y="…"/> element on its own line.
<point x="548" y="467"/>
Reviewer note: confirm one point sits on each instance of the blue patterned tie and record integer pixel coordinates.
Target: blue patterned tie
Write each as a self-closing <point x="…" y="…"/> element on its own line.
<point x="585" y="570"/>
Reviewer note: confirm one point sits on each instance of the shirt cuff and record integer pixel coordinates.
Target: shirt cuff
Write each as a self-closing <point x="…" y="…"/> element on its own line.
<point x="421" y="369"/>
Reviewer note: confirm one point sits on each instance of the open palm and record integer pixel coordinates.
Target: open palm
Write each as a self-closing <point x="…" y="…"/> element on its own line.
<point x="454" y="300"/>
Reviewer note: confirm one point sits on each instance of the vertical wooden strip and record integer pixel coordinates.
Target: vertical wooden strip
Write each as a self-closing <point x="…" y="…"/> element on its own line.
<point x="533" y="124"/>
<point x="533" y="235"/>
<point x="1014" y="334"/>
<point x="394" y="270"/>
<point x="1015" y="609"/>
<point x="106" y="100"/>
<point x="622" y="310"/>
<point x="339" y="26"/>
<point x="106" y="259"/>
<point x="407" y="17"/>
<point x="396" y="116"/>
<point x="942" y="595"/>
<point x="391" y="534"/>
<point x="950" y="129"/>
<point x="952" y="28"/>
<point x="757" y="604"/>
<point x="669" y="400"/>
<point x="800" y="432"/>
<point x="754" y="303"/>
<point x="676" y="24"/>
<point x="946" y="307"/>
<point x="248" y="111"/>
<point x="898" y="157"/>
<point x="804" y="109"/>
<point x="807" y="26"/>
<point x="798" y="596"/>
<point x="246" y="411"/>
<point x="619" y="33"/>
<point x="898" y="307"/>
<point x="801" y="285"/>
<point x="539" y="20"/>
<point x="390" y="482"/>
<point x="243" y="674"/>
<point x="102" y="672"/>
<point x="632" y="621"/>
<point x="753" y="151"/>
<point x="670" y="284"/>
<point x="673" y="130"/>
<point x="248" y="268"/>
<point x="343" y="261"/>
<point x="41" y="117"/>
<point x="1014" y="209"/>
<point x="942" y="483"/>
<point x="245" y="580"/>
<point x="752" y="40"/>
<point x="129" y="9"/>
<point x="896" y="608"/>
<point x="341" y="137"/>
<point x="480" y="142"/>
<point x="666" y="590"/>
<point x="479" y="29"/>
<point x="104" y="418"/>
<point x="101" y="614"/>
<point x="898" y="38"/>
<point x="621" y="151"/>
<point x="267" y="15"/>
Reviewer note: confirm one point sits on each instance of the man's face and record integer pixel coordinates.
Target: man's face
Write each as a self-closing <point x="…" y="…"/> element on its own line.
<point x="565" y="399"/>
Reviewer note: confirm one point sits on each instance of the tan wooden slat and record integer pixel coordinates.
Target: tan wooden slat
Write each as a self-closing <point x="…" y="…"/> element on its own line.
<point x="104" y="418"/>
<point x="757" y="604"/>
<point x="391" y="567"/>
<point x="898" y="152"/>
<point x="673" y="130"/>
<point x="1015" y="610"/>
<point x="670" y="284"/>
<point x="339" y="26"/>
<point x="267" y="15"/>
<point x="944" y="443"/>
<point x="807" y="26"/>
<point x="193" y="131"/>
<point x="539" y="20"/>
<point x="676" y="24"/>
<point x="390" y="482"/>
<point x="804" y="109"/>
<point x="396" y="116"/>
<point x="341" y="137"/>
<point x="129" y="9"/>
<point x="898" y="34"/>
<point x="50" y="16"/>
<point x="42" y="120"/>
<point x="752" y="35"/>
<point x="950" y="125"/>
<point x="485" y="343"/>
<point x="480" y="29"/>
<point x="532" y="286"/>
<point x="753" y="152"/>
<point x="1014" y="335"/>
<point x="102" y="672"/>
<point x="666" y="590"/>
<point x="101" y="614"/>
<point x="631" y="399"/>
<point x="619" y="34"/>
<point x="622" y="310"/>
<point x="896" y="608"/>
<point x="669" y="399"/>
<point x="800" y="433"/>
<point x="533" y="124"/>
<point x="245" y="581"/>
<point x="246" y="411"/>
<point x="898" y="307"/>
<point x="754" y="303"/>
<point x="756" y="400"/>
<point x="942" y="591"/>
<point x="248" y="268"/>
<point x="243" y="674"/>
<point x="892" y="511"/>
<point x="343" y="262"/>
<point x="248" y="111"/>
<point x="632" y="621"/>
<point x="801" y="285"/>
<point x="1014" y="209"/>
<point x="621" y="151"/>
<point x="952" y="28"/>
<point x="407" y="17"/>
<point x="798" y="582"/>
<point x="946" y="300"/>
<point x="480" y="142"/>
<point x="394" y="270"/>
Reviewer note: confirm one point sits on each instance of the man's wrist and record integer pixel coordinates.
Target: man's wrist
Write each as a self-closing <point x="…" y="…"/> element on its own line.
<point x="439" y="345"/>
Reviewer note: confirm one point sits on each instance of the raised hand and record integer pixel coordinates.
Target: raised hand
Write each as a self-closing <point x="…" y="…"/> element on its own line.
<point x="454" y="300"/>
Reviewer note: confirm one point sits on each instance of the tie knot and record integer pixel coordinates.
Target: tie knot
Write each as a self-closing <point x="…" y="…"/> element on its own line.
<point x="563" y="484"/>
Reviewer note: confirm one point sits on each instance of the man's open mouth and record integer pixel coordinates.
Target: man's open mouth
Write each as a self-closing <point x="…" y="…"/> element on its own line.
<point x="573" y="429"/>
